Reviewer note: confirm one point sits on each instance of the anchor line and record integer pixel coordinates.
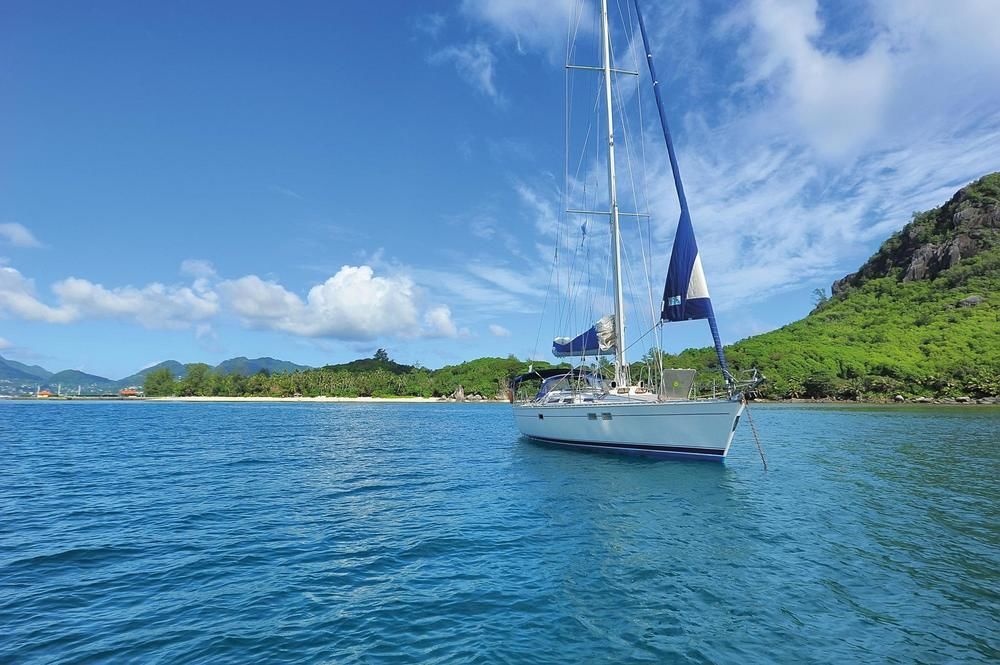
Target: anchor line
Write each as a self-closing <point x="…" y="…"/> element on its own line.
<point x="756" y="438"/>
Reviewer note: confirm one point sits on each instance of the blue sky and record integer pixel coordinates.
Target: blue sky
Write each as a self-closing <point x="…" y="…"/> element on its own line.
<point x="312" y="181"/>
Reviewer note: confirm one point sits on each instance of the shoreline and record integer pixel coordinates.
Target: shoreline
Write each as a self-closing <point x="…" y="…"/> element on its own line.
<point x="918" y="401"/>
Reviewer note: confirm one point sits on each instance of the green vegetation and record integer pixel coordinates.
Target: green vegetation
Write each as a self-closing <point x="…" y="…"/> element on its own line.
<point x="369" y="377"/>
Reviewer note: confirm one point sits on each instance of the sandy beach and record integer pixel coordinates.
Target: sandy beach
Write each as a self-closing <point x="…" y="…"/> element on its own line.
<point x="363" y="400"/>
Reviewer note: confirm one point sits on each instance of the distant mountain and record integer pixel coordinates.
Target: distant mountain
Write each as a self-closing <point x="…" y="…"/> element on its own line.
<point x="137" y="379"/>
<point x="15" y="376"/>
<point x="251" y="366"/>
<point x="70" y="379"/>
<point x="22" y="369"/>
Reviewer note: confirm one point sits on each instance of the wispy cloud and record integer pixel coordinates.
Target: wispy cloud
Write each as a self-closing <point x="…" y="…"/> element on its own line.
<point x="475" y="62"/>
<point x="814" y="154"/>
<point x="198" y="268"/>
<point x="284" y="191"/>
<point x="498" y="330"/>
<point x="18" y="235"/>
<point x="431" y="24"/>
<point x="527" y="23"/>
<point x="4" y="344"/>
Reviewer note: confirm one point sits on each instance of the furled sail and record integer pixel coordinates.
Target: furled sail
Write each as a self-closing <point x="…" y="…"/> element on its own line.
<point x="685" y="295"/>
<point x="599" y="340"/>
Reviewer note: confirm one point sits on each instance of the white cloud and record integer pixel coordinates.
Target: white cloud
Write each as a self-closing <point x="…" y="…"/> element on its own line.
<point x="838" y="101"/>
<point x="198" y="268"/>
<point x="476" y="63"/>
<point x="808" y="152"/>
<point x="17" y="298"/>
<point x="4" y="344"/>
<point x="531" y="24"/>
<point x="499" y="330"/>
<point x="18" y="235"/>
<point x="438" y="322"/>
<point x="353" y="304"/>
<point x="431" y="24"/>
<point x="153" y="306"/>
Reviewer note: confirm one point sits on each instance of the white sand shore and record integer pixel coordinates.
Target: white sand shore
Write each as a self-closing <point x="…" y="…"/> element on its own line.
<point x="363" y="400"/>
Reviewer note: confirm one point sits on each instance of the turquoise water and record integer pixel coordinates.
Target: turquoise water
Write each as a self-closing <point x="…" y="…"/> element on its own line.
<point x="172" y="532"/>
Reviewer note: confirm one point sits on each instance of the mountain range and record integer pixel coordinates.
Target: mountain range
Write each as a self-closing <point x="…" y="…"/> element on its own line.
<point x="16" y="377"/>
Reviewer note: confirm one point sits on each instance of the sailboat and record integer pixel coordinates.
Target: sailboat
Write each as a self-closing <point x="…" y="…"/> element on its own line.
<point x="579" y="407"/>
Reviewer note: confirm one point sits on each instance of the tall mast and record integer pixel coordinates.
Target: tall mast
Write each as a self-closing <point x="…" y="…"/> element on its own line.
<point x="621" y="369"/>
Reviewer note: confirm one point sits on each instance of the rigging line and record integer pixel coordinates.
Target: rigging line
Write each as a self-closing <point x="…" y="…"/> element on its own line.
<point x="568" y="102"/>
<point x="586" y="140"/>
<point x="645" y="258"/>
<point x="545" y="301"/>
<point x="753" y="428"/>
<point x="647" y="262"/>
<point x="640" y="337"/>
<point x="620" y="101"/>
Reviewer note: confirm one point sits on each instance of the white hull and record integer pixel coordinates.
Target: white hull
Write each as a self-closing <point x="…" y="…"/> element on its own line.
<point x="700" y="429"/>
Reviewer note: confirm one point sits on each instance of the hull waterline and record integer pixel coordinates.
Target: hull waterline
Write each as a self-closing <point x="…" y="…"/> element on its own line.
<point x="699" y="429"/>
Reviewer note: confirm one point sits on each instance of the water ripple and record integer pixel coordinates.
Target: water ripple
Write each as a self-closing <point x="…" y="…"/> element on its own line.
<point x="350" y="533"/>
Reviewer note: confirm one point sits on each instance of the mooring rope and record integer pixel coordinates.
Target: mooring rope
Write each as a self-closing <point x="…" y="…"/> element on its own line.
<point x="756" y="438"/>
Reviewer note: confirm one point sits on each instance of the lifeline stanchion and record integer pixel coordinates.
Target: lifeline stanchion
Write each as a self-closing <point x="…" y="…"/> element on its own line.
<point x="760" y="448"/>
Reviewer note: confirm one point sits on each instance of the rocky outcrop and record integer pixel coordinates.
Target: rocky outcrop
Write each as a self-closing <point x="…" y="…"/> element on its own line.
<point x="971" y="301"/>
<point x="938" y="239"/>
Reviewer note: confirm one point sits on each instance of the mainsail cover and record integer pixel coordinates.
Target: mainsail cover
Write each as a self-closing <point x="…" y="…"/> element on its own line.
<point x="599" y="340"/>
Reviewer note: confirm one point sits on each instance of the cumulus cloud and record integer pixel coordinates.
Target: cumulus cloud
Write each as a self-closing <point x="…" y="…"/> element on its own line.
<point x="438" y="322"/>
<point x="153" y="306"/>
<point x="18" y="235"/>
<point x="353" y="304"/>
<point x="17" y="298"/>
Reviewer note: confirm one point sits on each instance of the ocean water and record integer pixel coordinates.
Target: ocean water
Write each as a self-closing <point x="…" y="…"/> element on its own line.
<point x="381" y="533"/>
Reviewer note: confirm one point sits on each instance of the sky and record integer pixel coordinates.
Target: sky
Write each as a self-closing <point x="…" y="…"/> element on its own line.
<point x="312" y="181"/>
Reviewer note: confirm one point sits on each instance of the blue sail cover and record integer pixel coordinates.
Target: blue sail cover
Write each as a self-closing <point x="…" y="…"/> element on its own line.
<point x="597" y="341"/>
<point x="685" y="295"/>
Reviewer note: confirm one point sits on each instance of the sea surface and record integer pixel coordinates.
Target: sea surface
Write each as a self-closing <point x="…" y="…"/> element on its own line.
<point x="431" y="533"/>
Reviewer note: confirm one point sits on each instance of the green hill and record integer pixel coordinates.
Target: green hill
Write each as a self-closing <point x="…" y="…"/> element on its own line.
<point x="920" y="317"/>
<point x="380" y="361"/>
<point x="71" y="379"/>
<point x="247" y="366"/>
<point x="137" y="379"/>
<point x="11" y="369"/>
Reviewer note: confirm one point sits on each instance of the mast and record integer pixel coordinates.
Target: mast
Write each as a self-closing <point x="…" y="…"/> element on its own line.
<point x="621" y="369"/>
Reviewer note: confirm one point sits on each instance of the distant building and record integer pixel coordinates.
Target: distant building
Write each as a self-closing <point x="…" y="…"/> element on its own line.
<point x="130" y="392"/>
<point x="44" y="393"/>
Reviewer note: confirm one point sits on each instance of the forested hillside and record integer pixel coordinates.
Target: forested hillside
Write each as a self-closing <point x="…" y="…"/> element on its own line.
<point x="920" y="317"/>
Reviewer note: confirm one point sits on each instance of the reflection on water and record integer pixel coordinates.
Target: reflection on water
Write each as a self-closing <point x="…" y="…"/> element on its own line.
<point x="353" y="532"/>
